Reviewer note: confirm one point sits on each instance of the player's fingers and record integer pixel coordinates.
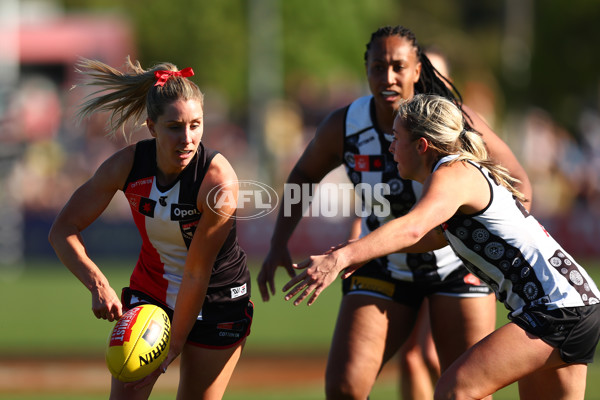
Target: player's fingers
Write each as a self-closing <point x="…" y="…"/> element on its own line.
<point x="314" y="296"/>
<point x="264" y="291"/>
<point x="101" y="313"/>
<point x="271" y="284"/>
<point x="111" y="317"/>
<point x="290" y="270"/>
<point x="304" y="294"/>
<point x="164" y="365"/>
<point x="294" y="281"/>
<point x="350" y="270"/>
<point x="302" y="264"/>
<point x="295" y="290"/>
<point x="149" y="379"/>
<point x="263" y="282"/>
<point x="115" y="312"/>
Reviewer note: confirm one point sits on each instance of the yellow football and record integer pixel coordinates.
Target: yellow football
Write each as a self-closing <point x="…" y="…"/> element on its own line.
<point x="138" y="343"/>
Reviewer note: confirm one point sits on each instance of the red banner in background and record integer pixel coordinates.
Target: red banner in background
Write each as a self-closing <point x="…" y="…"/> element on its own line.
<point x="578" y="233"/>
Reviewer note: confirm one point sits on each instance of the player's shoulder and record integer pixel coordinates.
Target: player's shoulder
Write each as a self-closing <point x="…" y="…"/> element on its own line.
<point x="220" y="170"/>
<point x="331" y="129"/>
<point x="335" y="119"/>
<point x="118" y="166"/>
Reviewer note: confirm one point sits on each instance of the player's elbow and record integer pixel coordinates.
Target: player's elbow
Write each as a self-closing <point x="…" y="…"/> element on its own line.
<point x="57" y="233"/>
<point x="52" y="235"/>
<point x="414" y="234"/>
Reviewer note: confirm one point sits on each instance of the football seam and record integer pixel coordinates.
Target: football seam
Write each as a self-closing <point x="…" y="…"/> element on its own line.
<point x="126" y="360"/>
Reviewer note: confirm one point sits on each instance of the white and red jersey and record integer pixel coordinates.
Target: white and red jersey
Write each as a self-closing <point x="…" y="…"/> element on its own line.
<point x="510" y="250"/>
<point x="166" y="218"/>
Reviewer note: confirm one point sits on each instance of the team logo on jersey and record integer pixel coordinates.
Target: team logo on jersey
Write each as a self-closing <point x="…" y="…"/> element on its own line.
<point x="182" y="212"/>
<point x="146" y="207"/>
<point x="188" y="229"/>
<point x="366" y="163"/>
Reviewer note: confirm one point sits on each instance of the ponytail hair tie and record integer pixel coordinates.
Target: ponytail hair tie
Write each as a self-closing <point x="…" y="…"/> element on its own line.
<point x="462" y="133"/>
<point x="163" y="75"/>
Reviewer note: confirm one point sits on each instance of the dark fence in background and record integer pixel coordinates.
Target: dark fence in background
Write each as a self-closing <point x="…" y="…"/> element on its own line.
<point x="114" y="239"/>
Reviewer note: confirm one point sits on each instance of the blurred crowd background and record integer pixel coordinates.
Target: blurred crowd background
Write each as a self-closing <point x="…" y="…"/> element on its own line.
<point x="271" y="70"/>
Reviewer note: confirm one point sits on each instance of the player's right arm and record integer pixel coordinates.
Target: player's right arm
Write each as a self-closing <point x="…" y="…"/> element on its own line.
<point x="83" y="208"/>
<point x="322" y="155"/>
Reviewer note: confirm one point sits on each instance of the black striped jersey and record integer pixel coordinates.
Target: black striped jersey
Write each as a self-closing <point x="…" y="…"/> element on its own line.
<point x="166" y="218"/>
<point x="369" y="163"/>
<point x="510" y="250"/>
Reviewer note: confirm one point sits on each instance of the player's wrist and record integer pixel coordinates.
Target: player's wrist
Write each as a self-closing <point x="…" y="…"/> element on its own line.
<point x="341" y="259"/>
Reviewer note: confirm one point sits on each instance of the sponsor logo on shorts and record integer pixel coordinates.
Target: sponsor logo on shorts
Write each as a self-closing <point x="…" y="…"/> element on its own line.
<point x="372" y="285"/>
<point x="471" y="279"/>
<point x="230" y="334"/>
<point x="230" y="329"/>
<point x="239" y="291"/>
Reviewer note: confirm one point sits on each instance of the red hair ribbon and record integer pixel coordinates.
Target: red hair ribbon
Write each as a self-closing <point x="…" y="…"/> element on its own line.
<point x="163" y="75"/>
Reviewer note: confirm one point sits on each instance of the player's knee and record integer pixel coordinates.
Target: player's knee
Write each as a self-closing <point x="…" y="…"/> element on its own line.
<point x="410" y="358"/>
<point x="449" y="389"/>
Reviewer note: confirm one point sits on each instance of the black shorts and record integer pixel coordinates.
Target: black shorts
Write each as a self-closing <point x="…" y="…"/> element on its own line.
<point x="222" y="325"/>
<point x="575" y="331"/>
<point x="373" y="280"/>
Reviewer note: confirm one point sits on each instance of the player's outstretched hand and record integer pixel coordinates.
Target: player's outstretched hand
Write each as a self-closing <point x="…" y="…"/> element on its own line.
<point x="319" y="272"/>
<point x="277" y="256"/>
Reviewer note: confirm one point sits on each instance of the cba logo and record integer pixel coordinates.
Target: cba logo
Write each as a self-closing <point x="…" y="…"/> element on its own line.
<point x="254" y="199"/>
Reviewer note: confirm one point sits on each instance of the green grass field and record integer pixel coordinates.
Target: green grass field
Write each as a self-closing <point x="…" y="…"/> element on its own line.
<point x="47" y="314"/>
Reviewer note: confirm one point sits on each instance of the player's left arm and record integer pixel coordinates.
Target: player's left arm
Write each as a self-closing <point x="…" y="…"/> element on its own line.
<point x="212" y="230"/>
<point x="415" y="230"/>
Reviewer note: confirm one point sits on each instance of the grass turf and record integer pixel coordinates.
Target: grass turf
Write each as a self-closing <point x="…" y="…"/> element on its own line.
<point x="51" y="317"/>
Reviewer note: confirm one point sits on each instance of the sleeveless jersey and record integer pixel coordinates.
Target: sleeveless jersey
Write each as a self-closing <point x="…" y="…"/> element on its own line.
<point x="507" y="248"/>
<point x="166" y="219"/>
<point x="369" y="163"/>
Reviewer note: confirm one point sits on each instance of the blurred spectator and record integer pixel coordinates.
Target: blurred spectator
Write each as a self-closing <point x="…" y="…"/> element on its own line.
<point x="589" y="124"/>
<point x="552" y="159"/>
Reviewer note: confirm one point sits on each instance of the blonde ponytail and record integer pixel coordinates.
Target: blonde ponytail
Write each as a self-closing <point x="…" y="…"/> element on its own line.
<point x="442" y="123"/>
<point x="131" y="96"/>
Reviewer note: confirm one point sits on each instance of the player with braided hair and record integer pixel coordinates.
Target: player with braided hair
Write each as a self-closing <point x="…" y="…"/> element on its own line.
<point x="190" y="263"/>
<point x="471" y="203"/>
<point x="382" y="299"/>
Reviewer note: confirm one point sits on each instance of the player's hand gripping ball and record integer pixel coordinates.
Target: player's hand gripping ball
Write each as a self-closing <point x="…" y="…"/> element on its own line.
<point x="138" y="343"/>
